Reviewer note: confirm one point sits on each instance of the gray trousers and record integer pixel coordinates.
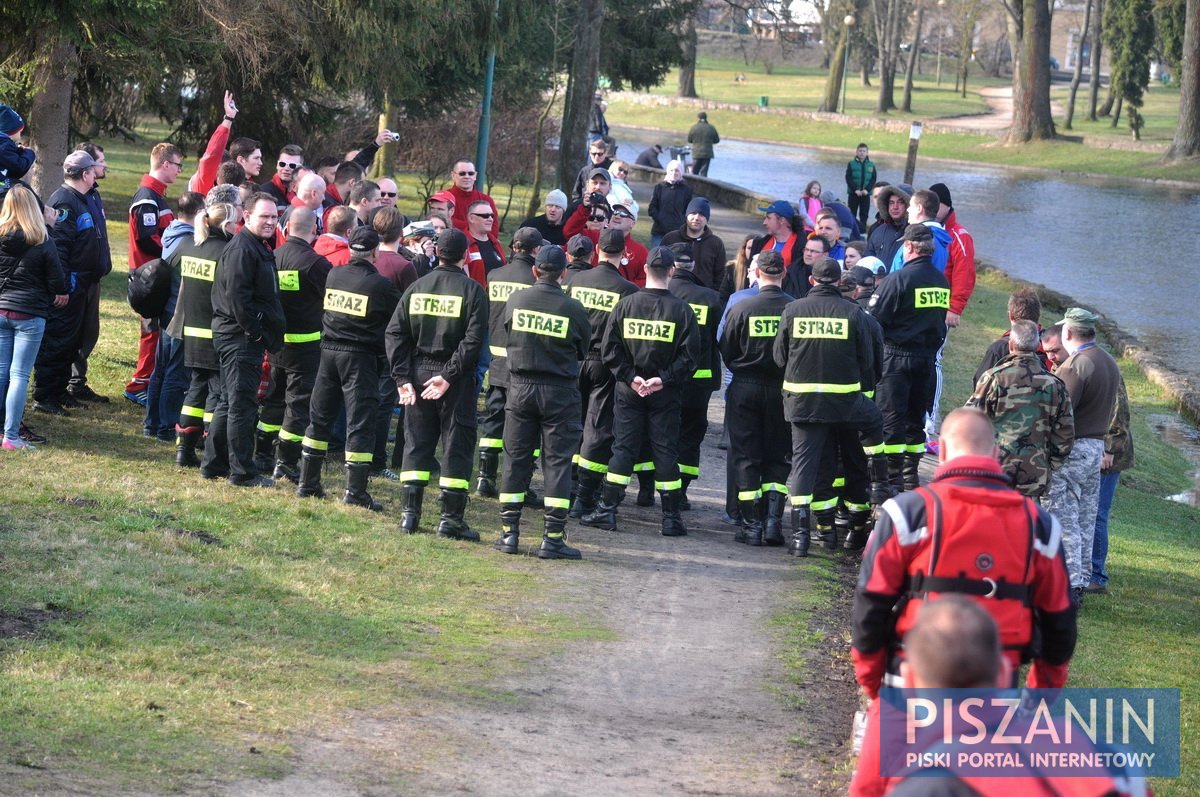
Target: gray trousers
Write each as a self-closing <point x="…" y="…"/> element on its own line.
<point x="1074" y="499"/>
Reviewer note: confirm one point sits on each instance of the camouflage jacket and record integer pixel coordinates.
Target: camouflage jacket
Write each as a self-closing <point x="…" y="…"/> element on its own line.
<point x="1035" y="427"/>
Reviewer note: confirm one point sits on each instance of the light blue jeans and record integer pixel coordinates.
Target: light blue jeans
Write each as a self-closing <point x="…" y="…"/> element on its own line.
<point x="19" y="344"/>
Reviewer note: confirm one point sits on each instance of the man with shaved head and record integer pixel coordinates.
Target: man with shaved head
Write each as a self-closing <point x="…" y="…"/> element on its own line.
<point x="968" y="533"/>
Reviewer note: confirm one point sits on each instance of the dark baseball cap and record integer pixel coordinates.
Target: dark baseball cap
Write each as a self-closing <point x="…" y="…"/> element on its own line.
<point x="863" y="277"/>
<point x="661" y="259"/>
<point x="600" y="172"/>
<point x="917" y="232"/>
<point x="780" y="207"/>
<point x="363" y="239"/>
<point x="550" y="258"/>
<point x="528" y="238"/>
<point x="827" y="271"/>
<point x="451" y="245"/>
<point x="612" y="241"/>
<point x="580" y="245"/>
<point x="770" y="263"/>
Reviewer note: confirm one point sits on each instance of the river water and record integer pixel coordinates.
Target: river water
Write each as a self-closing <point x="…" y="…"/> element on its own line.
<point x="1129" y="251"/>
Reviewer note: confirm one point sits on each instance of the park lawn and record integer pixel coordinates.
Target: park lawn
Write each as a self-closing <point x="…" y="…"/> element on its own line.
<point x="1160" y="111"/>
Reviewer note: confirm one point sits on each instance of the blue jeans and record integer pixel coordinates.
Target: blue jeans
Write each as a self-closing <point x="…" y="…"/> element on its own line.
<point x="1108" y="489"/>
<point x="19" y="344"/>
<point x="167" y="387"/>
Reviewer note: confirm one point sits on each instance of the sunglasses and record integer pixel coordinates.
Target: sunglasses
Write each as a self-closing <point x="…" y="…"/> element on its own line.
<point x="597" y="218"/>
<point x="465" y="174"/>
<point x="484" y="215"/>
<point x="622" y="215"/>
<point x="176" y="164"/>
<point x="286" y="165"/>
<point x="601" y="152"/>
<point x="387" y="194"/>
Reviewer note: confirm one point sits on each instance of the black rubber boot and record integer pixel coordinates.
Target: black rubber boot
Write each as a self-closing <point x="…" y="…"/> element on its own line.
<point x="826" y="531"/>
<point x="185" y="446"/>
<point x="841" y="520"/>
<point x="310" y="475"/>
<point x="684" y="504"/>
<point x="357" y="474"/>
<point x="645" y="496"/>
<point x="751" y="532"/>
<point x="860" y="529"/>
<point x="554" y="538"/>
<point x="801" y="531"/>
<point x="880" y="485"/>
<point x="485" y="484"/>
<point x="586" y="490"/>
<point x="510" y="528"/>
<point x="264" y="451"/>
<point x="605" y="514"/>
<point x="910" y="475"/>
<point x="672" y="522"/>
<point x="452" y="523"/>
<point x="410" y="518"/>
<point x="895" y="464"/>
<point x="287" y="459"/>
<point x="773" y="521"/>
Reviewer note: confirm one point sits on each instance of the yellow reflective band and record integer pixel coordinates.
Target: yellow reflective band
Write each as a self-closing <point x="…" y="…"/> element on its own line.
<point x="269" y="427"/>
<point x="512" y="498"/>
<point x="820" y="387"/>
<point x="453" y="484"/>
<point x="749" y="495"/>
<point x="764" y="326"/>
<point x="774" y="487"/>
<point x="490" y="442"/>
<point x="500" y="291"/>
<point x="703" y="373"/>
<point x="574" y="459"/>
<point x="857" y="507"/>
<point x="557" y="503"/>
<point x="315" y="445"/>
<point x="930" y="298"/>
<point x="435" y="304"/>
<point x="537" y="452"/>
<point x="301" y="337"/>
<point x="820" y="505"/>
<point x="916" y="448"/>
<point x="534" y="323"/>
<point x="822" y="328"/>
<point x="208" y="416"/>
<point x="191" y="412"/>
<point x="644" y="329"/>
<point x="288" y="437"/>
<point x="840" y="481"/>
<point x="197" y="268"/>
<point x="197" y="332"/>
<point x="288" y="280"/>
<point x="421" y="476"/>
<point x="594" y="467"/>
<point x="616" y="478"/>
<point x="871" y="451"/>
<point x="894" y="448"/>
<point x="701" y="311"/>
<point x="643" y="467"/>
<point x="801" y="500"/>
<point x="498" y="351"/>
<point x="869" y="394"/>
<point x="690" y="470"/>
<point x="594" y="299"/>
<point x="673" y="485"/>
<point x="346" y="303"/>
<point x="359" y="456"/>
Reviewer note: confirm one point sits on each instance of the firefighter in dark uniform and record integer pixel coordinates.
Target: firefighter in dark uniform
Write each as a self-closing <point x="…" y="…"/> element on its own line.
<point x="547" y="336"/>
<point x="911" y="307"/>
<point x="503" y="282"/>
<point x="580" y="249"/>
<point x="359" y="302"/>
<point x="693" y="422"/>
<point x="652" y="347"/>
<point x="215" y="225"/>
<point x="825" y="348"/>
<point x="598" y="290"/>
<point x="758" y="434"/>
<point x="434" y="342"/>
<point x="301" y="273"/>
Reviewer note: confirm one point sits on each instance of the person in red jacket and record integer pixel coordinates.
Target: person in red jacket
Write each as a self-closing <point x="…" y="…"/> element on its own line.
<point x="967" y="532"/>
<point x="206" y="170"/>
<point x="334" y="244"/>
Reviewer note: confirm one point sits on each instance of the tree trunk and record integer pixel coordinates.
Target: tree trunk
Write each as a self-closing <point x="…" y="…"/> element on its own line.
<point x="50" y="112"/>
<point x="1077" y="76"/>
<point x="833" y="83"/>
<point x="1116" y="111"/>
<point x="1107" y="106"/>
<point x="866" y="73"/>
<point x="1186" y="143"/>
<point x="687" y="68"/>
<point x="1031" y="74"/>
<point x="914" y="56"/>
<point x="385" y="156"/>
<point x="889" y="15"/>
<point x="535" y="195"/>
<point x="581" y="86"/>
<point x="1094" y="65"/>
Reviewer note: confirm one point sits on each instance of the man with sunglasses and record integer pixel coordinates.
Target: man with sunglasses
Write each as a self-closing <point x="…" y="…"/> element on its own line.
<point x="282" y="185"/>
<point x="463" y="193"/>
<point x="387" y="192"/>
<point x="597" y="159"/>
<point x="149" y="216"/>
<point x="633" y="264"/>
<point x="484" y="254"/>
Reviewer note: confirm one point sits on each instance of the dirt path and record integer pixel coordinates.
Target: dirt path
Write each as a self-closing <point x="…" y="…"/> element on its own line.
<point x="690" y="698"/>
<point x="1000" y="100"/>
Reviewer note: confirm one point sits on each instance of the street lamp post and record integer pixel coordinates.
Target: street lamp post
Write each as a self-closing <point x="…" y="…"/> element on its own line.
<point x="849" y="20"/>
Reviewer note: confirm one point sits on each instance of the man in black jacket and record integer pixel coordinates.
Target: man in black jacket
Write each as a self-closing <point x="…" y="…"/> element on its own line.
<point x="359" y="302"/>
<point x="707" y="249"/>
<point x="547" y="335"/>
<point x="247" y="319"/>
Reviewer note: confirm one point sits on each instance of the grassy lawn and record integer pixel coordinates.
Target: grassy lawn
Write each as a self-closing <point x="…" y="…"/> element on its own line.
<point x="1160" y="111"/>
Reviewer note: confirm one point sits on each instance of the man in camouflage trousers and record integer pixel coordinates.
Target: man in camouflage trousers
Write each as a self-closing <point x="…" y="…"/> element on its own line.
<point x="1031" y="409"/>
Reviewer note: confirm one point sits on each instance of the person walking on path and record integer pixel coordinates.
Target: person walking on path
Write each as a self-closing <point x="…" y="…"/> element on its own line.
<point x="702" y="137"/>
<point x="861" y="176"/>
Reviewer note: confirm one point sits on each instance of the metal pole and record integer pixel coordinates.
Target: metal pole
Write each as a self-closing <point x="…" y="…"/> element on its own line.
<point x="914" y="140"/>
<point x="485" y="115"/>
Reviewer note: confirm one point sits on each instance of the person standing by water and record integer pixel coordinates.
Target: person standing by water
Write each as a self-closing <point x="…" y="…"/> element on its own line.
<point x="861" y="176"/>
<point x="702" y="137"/>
